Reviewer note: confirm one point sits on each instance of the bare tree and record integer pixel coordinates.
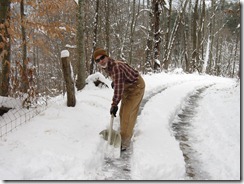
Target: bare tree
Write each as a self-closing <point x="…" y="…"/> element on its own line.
<point x="195" y="53"/>
<point x="5" y="45"/>
<point x="94" y="43"/>
<point x="149" y="45"/>
<point x="156" y="4"/>
<point x="167" y="32"/>
<point x="80" y="83"/>
<point x="172" y="36"/>
<point x="154" y="36"/>
<point x="132" y="31"/>
<point x="107" y="25"/>
<point x="211" y="35"/>
<point x="25" y="83"/>
<point x="201" y="34"/>
<point x="140" y="32"/>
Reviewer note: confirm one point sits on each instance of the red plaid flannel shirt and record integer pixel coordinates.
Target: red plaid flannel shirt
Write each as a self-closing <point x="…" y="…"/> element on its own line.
<point x="121" y="73"/>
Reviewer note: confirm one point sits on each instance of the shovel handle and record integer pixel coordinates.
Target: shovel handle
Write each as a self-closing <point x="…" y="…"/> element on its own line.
<point x="110" y="129"/>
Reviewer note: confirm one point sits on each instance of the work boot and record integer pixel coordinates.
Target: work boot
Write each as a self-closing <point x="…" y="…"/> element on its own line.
<point x="123" y="148"/>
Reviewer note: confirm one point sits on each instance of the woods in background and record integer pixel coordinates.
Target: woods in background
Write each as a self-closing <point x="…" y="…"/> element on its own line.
<point x="152" y="35"/>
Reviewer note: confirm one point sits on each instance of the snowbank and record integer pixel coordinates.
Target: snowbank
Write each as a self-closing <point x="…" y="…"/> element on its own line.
<point x="63" y="143"/>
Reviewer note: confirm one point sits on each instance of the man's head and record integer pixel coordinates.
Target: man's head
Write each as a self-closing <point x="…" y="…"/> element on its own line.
<point x="99" y="51"/>
<point x="101" y="57"/>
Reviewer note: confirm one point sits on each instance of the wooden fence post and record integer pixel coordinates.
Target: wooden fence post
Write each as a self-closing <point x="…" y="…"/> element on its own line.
<point x="71" y="101"/>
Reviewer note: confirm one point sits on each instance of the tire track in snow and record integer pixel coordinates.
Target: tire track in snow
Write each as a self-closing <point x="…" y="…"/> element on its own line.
<point x="181" y="126"/>
<point x="145" y="100"/>
<point x="120" y="168"/>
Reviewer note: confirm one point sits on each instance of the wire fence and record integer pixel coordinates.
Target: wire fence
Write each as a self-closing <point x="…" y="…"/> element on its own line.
<point x="14" y="113"/>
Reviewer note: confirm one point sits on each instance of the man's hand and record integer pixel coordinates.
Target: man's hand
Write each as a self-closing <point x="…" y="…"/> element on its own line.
<point x="113" y="110"/>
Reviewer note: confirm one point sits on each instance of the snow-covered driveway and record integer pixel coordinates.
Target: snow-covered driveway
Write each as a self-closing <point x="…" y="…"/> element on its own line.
<point x="63" y="143"/>
<point x="216" y="127"/>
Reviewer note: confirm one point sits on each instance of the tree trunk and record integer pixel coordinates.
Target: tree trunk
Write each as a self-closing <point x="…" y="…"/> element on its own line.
<point x="5" y="45"/>
<point x="201" y="32"/>
<point x="107" y="28"/>
<point x="149" y="52"/>
<point x="194" y="37"/>
<point x="132" y="30"/>
<point x="156" y="13"/>
<point x="211" y="29"/>
<point x="172" y="37"/>
<point x="94" y="38"/>
<point x="24" y="82"/>
<point x="186" y="51"/>
<point x="235" y="57"/>
<point x="80" y="83"/>
<point x="167" y="35"/>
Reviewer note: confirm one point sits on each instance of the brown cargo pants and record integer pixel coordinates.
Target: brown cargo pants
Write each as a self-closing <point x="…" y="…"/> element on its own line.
<point x="130" y="103"/>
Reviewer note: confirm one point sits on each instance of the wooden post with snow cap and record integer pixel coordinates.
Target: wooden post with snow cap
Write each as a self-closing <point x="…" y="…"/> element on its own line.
<point x="66" y="67"/>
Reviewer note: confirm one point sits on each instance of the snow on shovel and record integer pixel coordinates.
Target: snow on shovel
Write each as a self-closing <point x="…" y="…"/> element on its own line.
<point x="113" y="137"/>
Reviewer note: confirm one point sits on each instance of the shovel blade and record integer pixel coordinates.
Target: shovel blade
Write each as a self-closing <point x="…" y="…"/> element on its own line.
<point x="115" y="138"/>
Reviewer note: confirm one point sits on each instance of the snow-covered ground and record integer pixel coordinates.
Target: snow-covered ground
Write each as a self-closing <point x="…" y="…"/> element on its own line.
<point x="63" y="143"/>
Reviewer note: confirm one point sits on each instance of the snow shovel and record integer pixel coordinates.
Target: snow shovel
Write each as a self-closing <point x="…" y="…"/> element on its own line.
<point x="113" y="137"/>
